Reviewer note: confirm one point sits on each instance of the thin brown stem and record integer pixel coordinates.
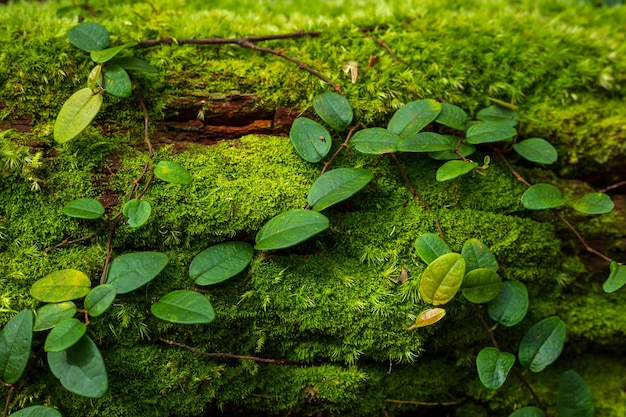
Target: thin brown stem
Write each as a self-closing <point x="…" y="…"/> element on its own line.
<point x="67" y="242"/>
<point x="524" y="381"/>
<point x="343" y="146"/>
<point x="513" y="171"/>
<point x="612" y="187"/>
<point x="580" y="238"/>
<point x="485" y="325"/>
<point x="8" y="401"/>
<point x="430" y="404"/>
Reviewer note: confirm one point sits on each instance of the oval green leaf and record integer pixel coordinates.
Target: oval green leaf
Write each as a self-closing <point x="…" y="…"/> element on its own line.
<point x="51" y="314"/>
<point x="430" y="246"/>
<point x="442" y="279"/>
<point x="172" y="172"/>
<point x="100" y="299"/>
<point x="76" y="114"/>
<point x="220" y="262"/>
<point x="131" y="63"/>
<point x="63" y="285"/>
<point x="80" y="368"/>
<point x="289" y="229"/>
<point x="493" y="366"/>
<point x="528" y="412"/>
<point x="542" y="344"/>
<point x="477" y="255"/>
<point x="89" y="36"/>
<point x="481" y="285"/>
<point x="488" y="132"/>
<point x="334" y="109"/>
<point x="84" y="208"/>
<point x="337" y="185"/>
<point x="375" y="141"/>
<point x="536" y="150"/>
<point x="116" y="81"/>
<point x="542" y="197"/>
<point x="104" y="55"/>
<point x="575" y="398"/>
<point x="413" y="117"/>
<point x="510" y="305"/>
<point x="427" y="142"/>
<point x="498" y="114"/>
<point x="36" y="411"/>
<point x="94" y="76"/>
<point x="310" y="139"/>
<point x="132" y="270"/>
<point x="452" y="116"/>
<point x="465" y="149"/>
<point x="64" y="335"/>
<point x="616" y="279"/>
<point x="454" y="169"/>
<point x="184" y="307"/>
<point x="430" y="316"/>
<point x="594" y="203"/>
<point x="137" y="211"/>
<point x="15" y="342"/>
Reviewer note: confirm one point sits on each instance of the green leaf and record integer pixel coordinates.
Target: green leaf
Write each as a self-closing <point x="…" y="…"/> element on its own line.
<point x="36" y="411"/>
<point x="536" y="150"/>
<point x="493" y="366"/>
<point x="64" y="335"/>
<point x="429" y="247"/>
<point x="427" y="142"/>
<point x="575" y="398"/>
<point x="84" y="208"/>
<point x="334" y="109"/>
<point x="542" y="344"/>
<point x="616" y="279"/>
<point x="116" y="81"/>
<point x="184" y="307"/>
<point x="454" y="169"/>
<point x="498" y="114"/>
<point x="76" y="114"/>
<point x="290" y="228"/>
<point x="80" y="369"/>
<point x="465" y="149"/>
<point x="63" y="285"/>
<point x="137" y="211"/>
<point x="477" y="255"/>
<point x="481" y="285"/>
<point x="488" y="132"/>
<point x="510" y="305"/>
<point x="442" y="279"/>
<point x="132" y="270"/>
<point x="131" y="63"/>
<point x="15" y="342"/>
<point x="452" y="116"/>
<point x="542" y="196"/>
<point x="413" y="117"/>
<point x="89" y="36"/>
<point x="594" y="203"/>
<point x="220" y="262"/>
<point x="428" y="317"/>
<point x="337" y="185"/>
<point x="104" y="55"/>
<point x="172" y="172"/>
<point x="94" y="77"/>
<point x="100" y="299"/>
<point x="528" y="412"/>
<point x="310" y="139"/>
<point x="51" y="314"/>
<point x="375" y="141"/>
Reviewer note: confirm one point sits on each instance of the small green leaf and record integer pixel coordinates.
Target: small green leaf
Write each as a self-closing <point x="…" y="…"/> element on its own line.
<point x="84" y="208"/>
<point x="94" y="77"/>
<point x="334" y="109"/>
<point x="116" y="81"/>
<point x="131" y="63"/>
<point x="375" y="141"/>
<point x="290" y="228"/>
<point x="132" y="270"/>
<point x="15" y="342"/>
<point x="510" y="305"/>
<point x="76" y="114"/>
<point x="428" y="317"/>
<point x="465" y="149"/>
<point x="310" y="139"/>
<point x="542" y="344"/>
<point x="337" y="185"/>
<point x="51" y="314"/>
<point x="36" y="411"/>
<point x="104" y="55"/>
<point x="63" y="285"/>
<point x="542" y="196"/>
<point x="528" y="412"/>
<point x="172" y="172"/>
<point x="452" y="116"/>
<point x="184" y="307"/>
<point x="536" y="150"/>
<point x="89" y="36"/>
<point x="454" y="169"/>
<point x="429" y="247"/>
<point x="427" y="142"/>
<point x="80" y="368"/>
<point x="442" y="279"/>
<point x="481" y="285"/>
<point x="498" y="114"/>
<point x="64" y="335"/>
<point x="220" y="262"/>
<point x="594" y="203"/>
<point x="575" y="398"/>
<point x="488" y="132"/>
<point x="100" y="299"/>
<point x="413" y="117"/>
<point x="493" y="366"/>
<point x="616" y="279"/>
<point x="137" y="211"/>
<point x="477" y="255"/>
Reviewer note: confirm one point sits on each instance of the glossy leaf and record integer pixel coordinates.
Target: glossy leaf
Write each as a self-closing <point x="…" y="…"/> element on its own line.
<point x="375" y="141"/>
<point x="454" y="169"/>
<point x="310" y="139"/>
<point x="452" y="116"/>
<point x="80" y="368"/>
<point x="575" y="398"/>
<point x="172" y="172"/>
<point x="413" y="117"/>
<point x="430" y="246"/>
<point x="63" y="285"/>
<point x="104" y="55"/>
<point x="64" y="335"/>
<point x="465" y="149"/>
<point x="137" y="211"/>
<point x="428" y="317"/>
<point x="76" y="114"/>
<point x="84" y="208"/>
<point x="510" y="305"/>
<point x="494" y="366"/>
<point x="542" y="197"/>
<point x="100" y="299"/>
<point x="498" y="114"/>
<point x="528" y="412"/>
<point x="184" y="307"/>
<point x="442" y="279"/>
<point x="488" y="132"/>
<point x="427" y="142"/>
<point x="117" y="81"/>
<point x="334" y="109"/>
<point x="131" y="63"/>
<point x="15" y="342"/>
<point x="36" y="411"/>
<point x="51" y="314"/>
<point x="290" y="228"/>
<point x="536" y="150"/>
<point x="337" y="185"/>
<point x="616" y="279"/>
<point x="132" y="270"/>
<point x="594" y="203"/>
<point x="94" y="77"/>
<point x="542" y="344"/>
<point x="220" y="262"/>
<point x="481" y="285"/>
<point x="477" y="255"/>
<point x="89" y="36"/>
